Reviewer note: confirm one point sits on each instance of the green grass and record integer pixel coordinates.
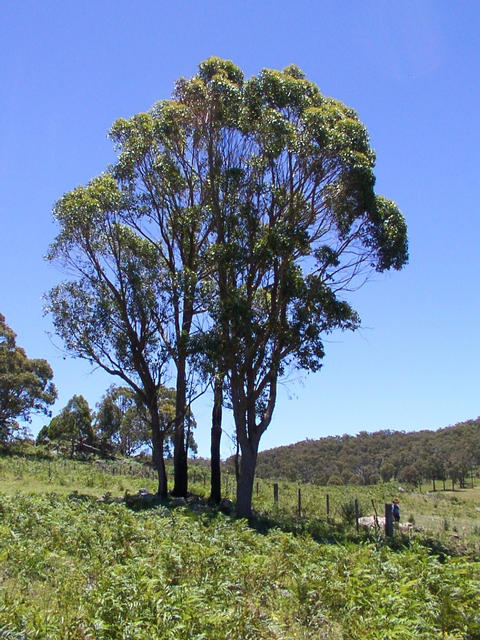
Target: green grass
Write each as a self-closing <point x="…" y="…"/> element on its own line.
<point x="453" y="516"/>
<point x="39" y="474"/>
<point x="73" y="567"/>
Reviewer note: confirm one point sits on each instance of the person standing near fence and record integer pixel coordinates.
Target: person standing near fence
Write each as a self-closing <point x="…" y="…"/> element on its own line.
<point x="395" y="510"/>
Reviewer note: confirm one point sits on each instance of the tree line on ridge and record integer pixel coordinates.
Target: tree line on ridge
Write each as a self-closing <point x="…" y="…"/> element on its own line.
<point x="448" y="455"/>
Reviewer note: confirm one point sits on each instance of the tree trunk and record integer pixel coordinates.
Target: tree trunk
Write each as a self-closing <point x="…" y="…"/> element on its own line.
<point x="216" y="435"/>
<point x="180" y="464"/>
<point x="157" y="451"/>
<point x="248" y="434"/>
<point x="246" y="478"/>
<point x="237" y="459"/>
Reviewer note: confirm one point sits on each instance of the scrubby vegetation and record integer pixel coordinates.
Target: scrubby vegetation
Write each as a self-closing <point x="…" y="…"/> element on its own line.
<point x="448" y="455"/>
<point x="76" y="567"/>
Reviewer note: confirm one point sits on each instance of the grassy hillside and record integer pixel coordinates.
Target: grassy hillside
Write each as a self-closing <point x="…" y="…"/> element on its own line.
<point x="73" y="567"/>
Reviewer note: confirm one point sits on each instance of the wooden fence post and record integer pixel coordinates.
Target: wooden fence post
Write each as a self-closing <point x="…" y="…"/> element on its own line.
<point x="328" y="506"/>
<point x="388" y="520"/>
<point x="299" y="502"/>
<point x="375" y="516"/>
<point x="275" y="493"/>
<point x="257" y="488"/>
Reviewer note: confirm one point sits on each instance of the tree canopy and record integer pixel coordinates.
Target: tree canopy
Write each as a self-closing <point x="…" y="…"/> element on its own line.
<point x="236" y="217"/>
<point x="25" y="384"/>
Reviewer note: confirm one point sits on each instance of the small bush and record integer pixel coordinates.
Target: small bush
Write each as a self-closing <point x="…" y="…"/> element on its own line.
<point x="347" y="511"/>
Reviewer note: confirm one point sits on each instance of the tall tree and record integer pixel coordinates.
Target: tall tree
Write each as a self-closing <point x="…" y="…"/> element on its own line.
<point x="109" y="314"/>
<point x="25" y="384"/>
<point x="295" y="222"/>
<point x="161" y="165"/>
<point x="256" y="201"/>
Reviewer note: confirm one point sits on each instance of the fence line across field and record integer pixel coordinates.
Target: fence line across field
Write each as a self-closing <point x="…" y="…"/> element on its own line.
<point x="388" y="527"/>
<point x="116" y="468"/>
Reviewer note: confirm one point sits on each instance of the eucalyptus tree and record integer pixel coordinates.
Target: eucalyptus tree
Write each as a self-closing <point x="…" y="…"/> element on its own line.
<point x="25" y="384"/>
<point x="255" y="200"/>
<point x="162" y="166"/>
<point x="109" y="312"/>
<point x="156" y="196"/>
<point x="294" y="223"/>
<point x="74" y="424"/>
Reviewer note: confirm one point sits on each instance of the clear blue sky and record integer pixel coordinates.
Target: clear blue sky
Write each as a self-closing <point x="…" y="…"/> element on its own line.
<point x="410" y="69"/>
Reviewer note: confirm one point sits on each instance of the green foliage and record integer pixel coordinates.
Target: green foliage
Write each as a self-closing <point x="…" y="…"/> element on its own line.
<point x="122" y="424"/>
<point x="251" y="202"/>
<point x="75" y="568"/>
<point x="73" y="425"/>
<point x="116" y="425"/>
<point x="348" y="513"/>
<point x="25" y="384"/>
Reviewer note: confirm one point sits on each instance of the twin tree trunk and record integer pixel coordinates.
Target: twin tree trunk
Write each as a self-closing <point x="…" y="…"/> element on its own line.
<point x="249" y="433"/>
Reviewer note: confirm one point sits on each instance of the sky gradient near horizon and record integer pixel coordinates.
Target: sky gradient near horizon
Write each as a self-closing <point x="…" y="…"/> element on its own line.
<point x="410" y="69"/>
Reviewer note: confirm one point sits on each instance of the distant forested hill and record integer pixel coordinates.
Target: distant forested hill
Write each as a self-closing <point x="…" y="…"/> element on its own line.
<point x="449" y="454"/>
